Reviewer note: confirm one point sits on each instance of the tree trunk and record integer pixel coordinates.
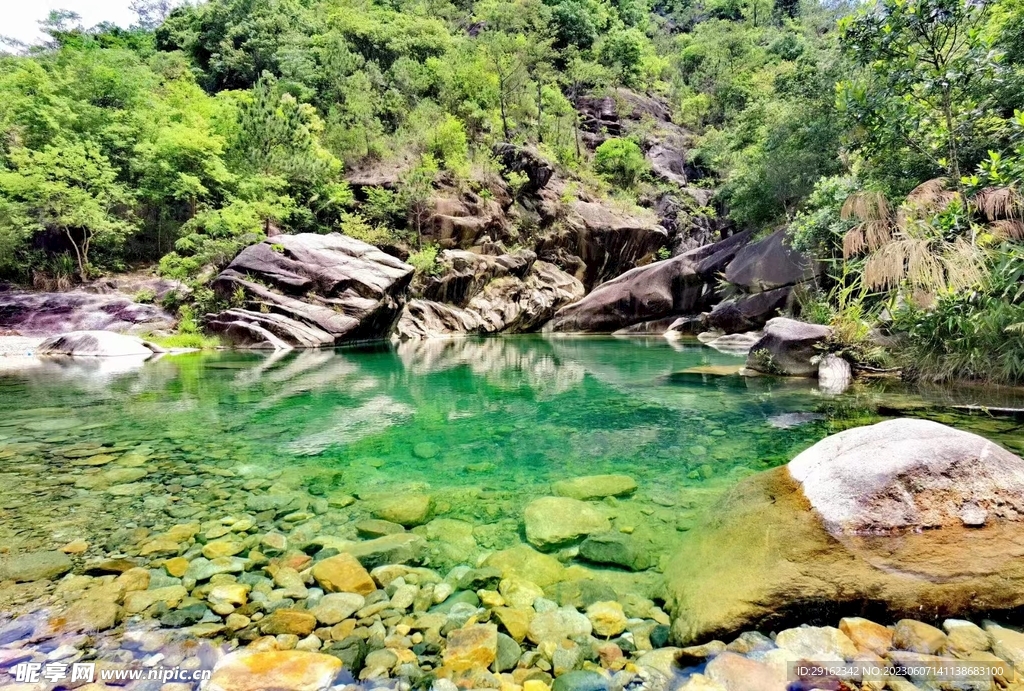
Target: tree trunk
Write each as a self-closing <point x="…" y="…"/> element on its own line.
<point x="78" y="254"/>
<point x="540" y="113"/>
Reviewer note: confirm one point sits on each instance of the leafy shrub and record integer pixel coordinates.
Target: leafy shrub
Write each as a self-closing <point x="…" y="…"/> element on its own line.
<point x="971" y="334"/>
<point x="425" y="261"/>
<point x="448" y="144"/>
<point x="620" y="161"/>
<point x="382" y="206"/>
<point x="819" y="227"/>
<point x="145" y="296"/>
<point x="355" y="226"/>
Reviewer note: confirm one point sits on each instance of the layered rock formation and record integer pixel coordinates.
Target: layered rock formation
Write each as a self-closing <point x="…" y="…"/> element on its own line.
<point x="480" y="294"/>
<point x="49" y="314"/>
<point x="607" y="240"/>
<point x="310" y="291"/>
<point x="840" y="529"/>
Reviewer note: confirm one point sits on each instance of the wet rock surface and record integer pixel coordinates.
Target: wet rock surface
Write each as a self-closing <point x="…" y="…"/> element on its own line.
<point x="673" y="287"/>
<point x="481" y="294"/>
<point x="909" y="475"/>
<point x="788" y="347"/>
<point x="49" y="314"/>
<point x="310" y="290"/>
<point x="733" y="578"/>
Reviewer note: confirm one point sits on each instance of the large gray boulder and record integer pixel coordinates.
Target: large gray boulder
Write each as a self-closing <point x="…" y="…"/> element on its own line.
<point x="841" y="530"/>
<point x="748" y="312"/>
<point x="789" y="347"/>
<point x="678" y="286"/>
<point x="480" y="294"/>
<point x="769" y="264"/>
<point x="48" y="314"/>
<point x="909" y="474"/>
<point x="310" y="291"/>
<point x="97" y="344"/>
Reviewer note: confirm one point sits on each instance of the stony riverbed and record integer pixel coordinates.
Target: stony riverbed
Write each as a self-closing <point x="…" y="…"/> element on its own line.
<point x="492" y="515"/>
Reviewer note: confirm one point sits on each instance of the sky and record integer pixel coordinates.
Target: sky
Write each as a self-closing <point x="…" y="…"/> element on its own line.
<point x="19" y="18"/>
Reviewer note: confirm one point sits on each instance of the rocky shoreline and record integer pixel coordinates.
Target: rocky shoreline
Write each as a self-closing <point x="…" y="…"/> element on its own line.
<point x="287" y="622"/>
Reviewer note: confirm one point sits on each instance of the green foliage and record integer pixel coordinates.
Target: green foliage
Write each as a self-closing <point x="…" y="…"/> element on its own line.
<point x="620" y="161"/>
<point x="69" y="188"/>
<point x="924" y="102"/>
<point x="425" y="261"/>
<point x="972" y="334"/>
<point x="819" y="227"/>
<point x="765" y="362"/>
<point x="415" y="195"/>
<point x="448" y="144"/>
<point x="187" y="340"/>
<point x="765" y="97"/>
<point x="354" y="225"/>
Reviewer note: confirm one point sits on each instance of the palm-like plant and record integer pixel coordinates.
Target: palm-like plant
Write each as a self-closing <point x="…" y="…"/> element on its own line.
<point x="931" y="243"/>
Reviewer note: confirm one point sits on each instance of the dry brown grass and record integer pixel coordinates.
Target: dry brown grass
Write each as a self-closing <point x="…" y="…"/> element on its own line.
<point x="998" y="203"/>
<point x="902" y="248"/>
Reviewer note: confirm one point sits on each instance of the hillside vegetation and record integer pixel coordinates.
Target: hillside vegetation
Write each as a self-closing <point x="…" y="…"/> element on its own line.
<point x="887" y="136"/>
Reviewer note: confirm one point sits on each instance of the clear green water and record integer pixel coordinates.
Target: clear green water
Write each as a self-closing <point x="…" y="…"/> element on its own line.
<point x="484" y="426"/>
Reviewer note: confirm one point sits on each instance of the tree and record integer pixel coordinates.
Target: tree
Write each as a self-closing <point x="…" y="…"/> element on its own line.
<point x="151" y="13"/>
<point x="416" y="193"/>
<point x="927" y="63"/>
<point x="621" y="161"/>
<point x="507" y="57"/>
<point x="70" y="188"/>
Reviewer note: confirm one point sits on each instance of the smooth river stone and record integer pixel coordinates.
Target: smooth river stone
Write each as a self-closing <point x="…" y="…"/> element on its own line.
<point x="34" y="566"/>
<point x="408" y="510"/>
<point x="99" y="459"/>
<point x="83" y="450"/>
<point x="287" y="670"/>
<point x="595" y="486"/>
<point x="52" y="425"/>
<point x="555" y="521"/>
<point x="343" y="573"/>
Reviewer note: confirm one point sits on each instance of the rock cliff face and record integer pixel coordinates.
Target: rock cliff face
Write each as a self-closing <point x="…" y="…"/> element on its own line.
<point x="840" y="529"/>
<point x="310" y="291"/>
<point x="480" y="294"/>
<point x="683" y="285"/>
<point x="607" y="241"/>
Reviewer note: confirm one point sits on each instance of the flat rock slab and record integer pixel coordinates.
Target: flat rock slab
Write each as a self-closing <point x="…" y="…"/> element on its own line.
<point x="48" y="314"/>
<point x="286" y="670"/>
<point x="554" y="521"/>
<point x="595" y="486"/>
<point x="34" y="566"/>
<point x="96" y="344"/>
